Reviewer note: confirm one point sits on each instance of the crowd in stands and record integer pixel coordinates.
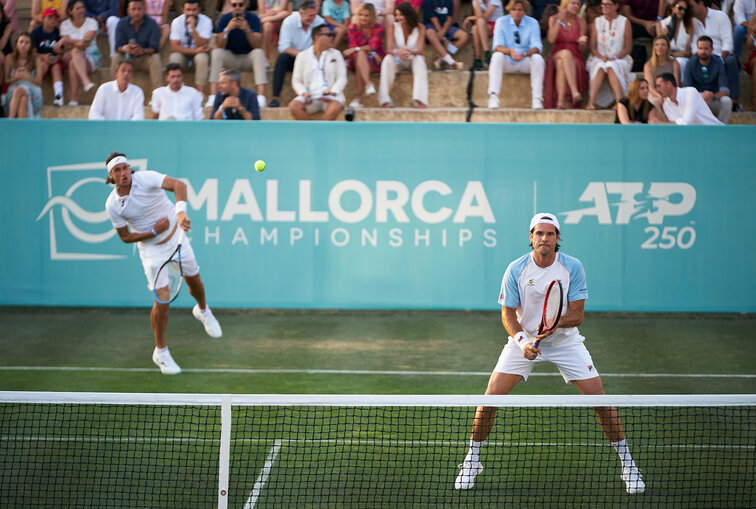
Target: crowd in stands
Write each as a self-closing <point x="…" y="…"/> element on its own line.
<point x="596" y="51"/>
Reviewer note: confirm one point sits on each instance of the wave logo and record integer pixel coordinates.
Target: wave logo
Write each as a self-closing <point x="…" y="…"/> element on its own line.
<point x="634" y="200"/>
<point x="80" y="227"/>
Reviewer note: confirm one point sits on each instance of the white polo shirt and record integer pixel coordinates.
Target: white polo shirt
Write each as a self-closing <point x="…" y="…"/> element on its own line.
<point x="180" y="33"/>
<point x="186" y="104"/>
<point x="718" y="27"/>
<point x="690" y="109"/>
<point x="111" y="104"/>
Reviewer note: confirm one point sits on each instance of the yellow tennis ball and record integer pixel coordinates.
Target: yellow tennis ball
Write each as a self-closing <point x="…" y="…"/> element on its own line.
<point x="259" y="165"/>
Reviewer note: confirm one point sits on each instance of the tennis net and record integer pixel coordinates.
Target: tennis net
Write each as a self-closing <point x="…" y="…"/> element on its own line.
<point x="183" y="450"/>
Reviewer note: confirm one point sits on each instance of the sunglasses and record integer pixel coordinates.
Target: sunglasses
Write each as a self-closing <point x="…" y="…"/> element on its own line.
<point x="681" y="8"/>
<point x="517" y="36"/>
<point x="328" y="34"/>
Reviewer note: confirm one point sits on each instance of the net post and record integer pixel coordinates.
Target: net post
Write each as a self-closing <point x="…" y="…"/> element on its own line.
<point x="225" y="451"/>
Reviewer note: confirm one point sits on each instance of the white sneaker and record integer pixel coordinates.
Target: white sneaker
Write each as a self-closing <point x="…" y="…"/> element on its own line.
<point x="633" y="480"/>
<point x="370" y="89"/>
<point x="493" y="101"/>
<point x="165" y="362"/>
<point x="537" y="104"/>
<point x="73" y="103"/>
<point x="58" y="101"/>
<point x="210" y="101"/>
<point x="356" y="104"/>
<point x="261" y="101"/>
<point x="467" y="474"/>
<point x="212" y="327"/>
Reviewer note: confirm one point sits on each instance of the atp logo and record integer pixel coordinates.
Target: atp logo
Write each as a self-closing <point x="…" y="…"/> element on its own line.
<point x="634" y="200"/>
<point x="80" y="227"/>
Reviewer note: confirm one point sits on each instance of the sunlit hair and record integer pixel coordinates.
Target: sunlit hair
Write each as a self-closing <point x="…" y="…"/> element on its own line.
<point x="371" y="11"/>
<point x="563" y="5"/>
<point x="525" y="5"/>
<point x="667" y="54"/>
<point x="31" y="63"/>
<point x="111" y="157"/>
<point x="409" y="14"/>
<point x="634" y="99"/>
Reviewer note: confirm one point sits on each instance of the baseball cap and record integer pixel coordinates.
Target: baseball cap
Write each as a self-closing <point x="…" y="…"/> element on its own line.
<point x="544" y="218"/>
<point x="50" y="11"/>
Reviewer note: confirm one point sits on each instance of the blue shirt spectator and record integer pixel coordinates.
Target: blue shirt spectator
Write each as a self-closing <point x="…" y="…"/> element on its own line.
<point x="148" y="35"/>
<point x="340" y="13"/>
<point x="709" y="77"/>
<point x="247" y="98"/>
<point x="102" y="9"/>
<point x="44" y="42"/>
<point x="439" y="9"/>
<point x="293" y="35"/>
<point x="236" y="40"/>
<point x="522" y="38"/>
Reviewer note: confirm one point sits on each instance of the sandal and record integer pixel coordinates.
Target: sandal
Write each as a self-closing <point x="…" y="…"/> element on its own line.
<point x="561" y="105"/>
<point x="438" y="63"/>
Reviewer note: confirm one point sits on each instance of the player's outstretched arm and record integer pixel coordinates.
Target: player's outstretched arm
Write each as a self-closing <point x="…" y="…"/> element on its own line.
<point x="128" y="236"/>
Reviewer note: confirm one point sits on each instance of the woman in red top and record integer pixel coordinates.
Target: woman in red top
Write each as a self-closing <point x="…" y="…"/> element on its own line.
<point x="365" y="52"/>
<point x="566" y="67"/>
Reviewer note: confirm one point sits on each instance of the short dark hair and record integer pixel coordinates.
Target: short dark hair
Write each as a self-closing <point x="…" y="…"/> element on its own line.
<point x="308" y="4"/>
<point x="124" y="62"/>
<point x="173" y="66"/>
<point x="113" y="155"/>
<point x="190" y="2"/>
<point x="668" y="77"/>
<point x="705" y="38"/>
<point x="316" y="29"/>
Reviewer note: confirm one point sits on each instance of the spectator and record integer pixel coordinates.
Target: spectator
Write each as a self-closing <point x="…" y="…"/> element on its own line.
<point x="678" y="27"/>
<point x="635" y="108"/>
<point x="45" y="39"/>
<point x="643" y="15"/>
<point x="405" y="50"/>
<point x="319" y="78"/>
<point x="274" y="12"/>
<point x="683" y="106"/>
<point x="233" y="102"/>
<point x="481" y="24"/>
<point x="176" y="101"/>
<point x="39" y="7"/>
<point x="611" y="42"/>
<point x="9" y="11"/>
<point x="742" y="11"/>
<point x="209" y="7"/>
<point x="138" y="39"/>
<point x="24" y="83"/>
<point x="190" y="42"/>
<point x="565" y="69"/>
<point x="5" y="44"/>
<point x="365" y="53"/>
<point x="750" y="65"/>
<point x="118" y="99"/>
<point x="336" y="13"/>
<point x="106" y="14"/>
<point x="158" y="10"/>
<point x="295" y="37"/>
<point x="661" y="61"/>
<point x="517" y="46"/>
<point x="446" y="39"/>
<point x="239" y="46"/>
<point x="716" y="24"/>
<point x="81" y="54"/>
<point x="707" y="75"/>
<point x="591" y="11"/>
<point x="383" y="10"/>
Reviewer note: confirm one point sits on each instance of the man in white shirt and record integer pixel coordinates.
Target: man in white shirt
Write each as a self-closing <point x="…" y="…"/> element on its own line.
<point x="190" y="42"/>
<point x="716" y="24"/>
<point x="118" y="99"/>
<point x="683" y="106"/>
<point x="319" y="78"/>
<point x="742" y="12"/>
<point x="176" y="101"/>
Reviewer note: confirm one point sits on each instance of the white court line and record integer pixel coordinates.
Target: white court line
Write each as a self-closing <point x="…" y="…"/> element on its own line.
<point x="361" y="372"/>
<point x="263" y="477"/>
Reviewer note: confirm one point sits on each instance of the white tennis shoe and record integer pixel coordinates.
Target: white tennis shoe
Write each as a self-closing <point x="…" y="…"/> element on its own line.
<point x="633" y="480"/>
<point x="212" y="327"/>
<point x="165" y="362"/>
<point x="467" y="474"/>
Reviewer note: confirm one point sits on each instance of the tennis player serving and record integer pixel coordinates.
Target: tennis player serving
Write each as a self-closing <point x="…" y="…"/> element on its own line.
<point x="141" y="212"/>
<point x="523" y="289"/>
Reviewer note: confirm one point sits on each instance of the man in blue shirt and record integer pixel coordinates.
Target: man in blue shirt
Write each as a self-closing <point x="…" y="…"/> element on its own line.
<point x="106" y="14"/>
<point x="45" y="39"/>
<point x="517" y="48"/>
<point x="446" y="39"/>
<point x="233" y="102"/>
<point x="138" y="40"/>
<point x="238" y="46"/>
<point x="707" y="74"/>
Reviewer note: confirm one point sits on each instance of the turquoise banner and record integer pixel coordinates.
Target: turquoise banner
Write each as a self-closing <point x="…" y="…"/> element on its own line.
<point x="385" y="215"/>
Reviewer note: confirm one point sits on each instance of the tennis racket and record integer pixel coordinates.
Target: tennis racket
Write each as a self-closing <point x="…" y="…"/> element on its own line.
<point x="552" y="309"/>
<point x="170" y="276"/>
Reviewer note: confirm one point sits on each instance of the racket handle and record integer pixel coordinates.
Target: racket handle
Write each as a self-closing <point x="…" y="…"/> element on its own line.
<point x="182" y="236"/>
<point x="536" y="343"/>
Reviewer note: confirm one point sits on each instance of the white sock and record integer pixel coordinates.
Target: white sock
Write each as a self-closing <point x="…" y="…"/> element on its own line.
<point x="451" y="48"/>
<point x="58" y="88"/>
<point x="162" y="350"/>
<point x="624" y="453"/>
<point x="448" y="59"/>
<point x="473" y="455"/>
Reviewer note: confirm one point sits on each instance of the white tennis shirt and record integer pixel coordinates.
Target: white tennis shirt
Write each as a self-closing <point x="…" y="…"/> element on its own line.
<point x="143" y="206"/>
<point x="524" y="286"/>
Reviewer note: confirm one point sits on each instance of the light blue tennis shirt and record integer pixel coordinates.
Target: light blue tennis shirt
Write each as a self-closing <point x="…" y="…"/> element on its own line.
<point x="506" y="32"/>
<point x="524" y="287"/>
<point x="292" y="34"/>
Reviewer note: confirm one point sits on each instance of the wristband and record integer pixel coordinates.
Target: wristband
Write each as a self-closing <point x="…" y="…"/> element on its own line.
<point x="521" y="339"/>
<point x="180" y="207"/>
<point x="358" y="48"/>
<point x="154" y="232"/>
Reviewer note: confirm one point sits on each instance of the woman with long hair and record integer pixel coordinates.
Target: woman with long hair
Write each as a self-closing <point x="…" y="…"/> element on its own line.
<point x="635" y="108"/>
<point x="678" y="27"/>
<point x="24" y="86"/>
<point x="565" y="69"/>
<point x="405" y="50"/>
<point x="661" y="61"/>
<point x="610" y="60"/>
<point x="81" y="55"/>
<point x="365" y="52"/>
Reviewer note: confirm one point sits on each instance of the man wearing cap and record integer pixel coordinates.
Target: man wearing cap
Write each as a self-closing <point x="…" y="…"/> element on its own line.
<point x="141" y="212"/>
<point x="46" y="40"/>
<point x="522" y="293"/>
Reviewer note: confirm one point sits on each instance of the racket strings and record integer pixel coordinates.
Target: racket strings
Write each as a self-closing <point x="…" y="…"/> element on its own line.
<point x="552" y="308"/>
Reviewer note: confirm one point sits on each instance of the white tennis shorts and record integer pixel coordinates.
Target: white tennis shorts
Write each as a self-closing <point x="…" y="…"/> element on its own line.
<point x="153" y="256"/>
<point x="573" y="360"/>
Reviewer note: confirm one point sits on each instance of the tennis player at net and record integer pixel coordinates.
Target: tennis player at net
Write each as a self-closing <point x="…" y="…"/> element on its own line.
<point x="141" y="212"/>
<point x="522" y="295"/>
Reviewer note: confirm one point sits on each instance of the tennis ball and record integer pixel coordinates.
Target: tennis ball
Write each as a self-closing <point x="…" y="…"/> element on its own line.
<point x="259" y="165"/>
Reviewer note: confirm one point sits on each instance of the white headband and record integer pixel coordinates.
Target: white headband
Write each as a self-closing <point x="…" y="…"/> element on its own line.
<point x="116" y="161"/>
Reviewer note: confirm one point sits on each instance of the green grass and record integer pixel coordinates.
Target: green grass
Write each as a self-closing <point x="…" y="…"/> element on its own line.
<point x="384" y="463"/>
